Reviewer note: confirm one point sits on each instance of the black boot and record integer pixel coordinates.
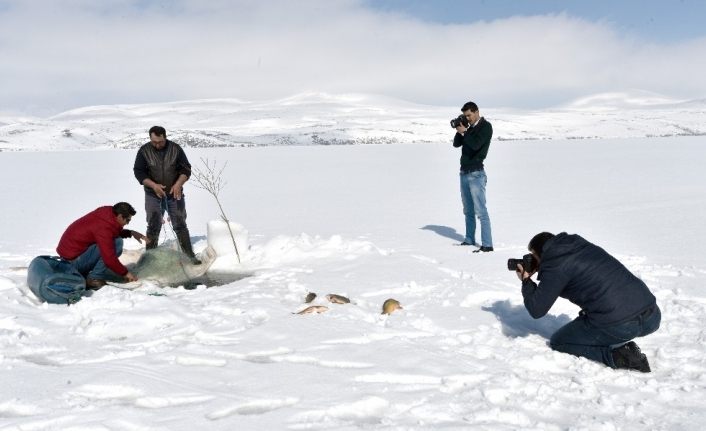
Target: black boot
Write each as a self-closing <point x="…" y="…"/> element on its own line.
<point x="629" y="357"/>
<point x="483" y="249"/>
<point x="185" y="244"/>
<point x="153" y="241"/>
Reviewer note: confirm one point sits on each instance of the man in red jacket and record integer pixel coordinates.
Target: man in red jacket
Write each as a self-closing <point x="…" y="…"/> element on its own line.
<point x="94" y="242"/>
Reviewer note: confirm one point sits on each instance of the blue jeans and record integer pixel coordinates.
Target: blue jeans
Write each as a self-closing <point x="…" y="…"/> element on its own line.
<point x="473" y="198"/>
<point x="580" y="338"/>
<point x="90" y="263"/>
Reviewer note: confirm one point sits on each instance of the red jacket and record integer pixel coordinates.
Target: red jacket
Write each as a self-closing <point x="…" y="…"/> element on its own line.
<point x="99" y="227"/>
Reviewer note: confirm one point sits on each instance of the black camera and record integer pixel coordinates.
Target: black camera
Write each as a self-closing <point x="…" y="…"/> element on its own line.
<point x="461" y="119"/>
<point x="528" y="262"/>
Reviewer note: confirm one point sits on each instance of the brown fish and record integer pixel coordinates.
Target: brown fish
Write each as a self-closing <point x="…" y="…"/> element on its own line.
<point x="314" y="309"/>
<point x="309" y="297"/>
<point x="337" y="299"/>
<point x="391" y="305"/>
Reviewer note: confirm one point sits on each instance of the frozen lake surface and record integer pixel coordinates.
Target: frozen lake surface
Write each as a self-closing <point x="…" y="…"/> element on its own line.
<point x="370" y="222"/>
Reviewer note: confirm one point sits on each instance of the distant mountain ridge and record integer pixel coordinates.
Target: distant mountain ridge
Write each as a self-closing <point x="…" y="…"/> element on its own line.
<point x="349" y="119"/>
<point x="634" y="99"/>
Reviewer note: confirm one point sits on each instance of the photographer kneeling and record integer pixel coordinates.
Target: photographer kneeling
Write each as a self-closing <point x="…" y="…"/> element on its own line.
<point x="616" y="306"/>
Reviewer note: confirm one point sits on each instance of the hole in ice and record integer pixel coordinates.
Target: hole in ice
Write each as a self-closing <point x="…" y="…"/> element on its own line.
<point x="215" y="279"/>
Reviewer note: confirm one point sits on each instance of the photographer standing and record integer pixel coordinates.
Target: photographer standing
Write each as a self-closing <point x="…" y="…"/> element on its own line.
<point x="616" y="306"/>
<point x="473" y="134"/>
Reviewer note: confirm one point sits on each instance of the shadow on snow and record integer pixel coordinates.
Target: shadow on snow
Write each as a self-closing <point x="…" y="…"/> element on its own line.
<point x="444" y="231"/>
<point x="516" y="321"/>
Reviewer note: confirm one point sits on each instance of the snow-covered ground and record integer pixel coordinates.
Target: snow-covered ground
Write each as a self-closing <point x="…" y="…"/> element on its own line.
<point x="370" y="222"/>
<point x="325" y="119"/>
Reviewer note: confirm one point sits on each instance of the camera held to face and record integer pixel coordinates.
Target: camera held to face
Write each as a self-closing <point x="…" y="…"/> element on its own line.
<point x="460" y="120"/>
<point x="528" y="262"/>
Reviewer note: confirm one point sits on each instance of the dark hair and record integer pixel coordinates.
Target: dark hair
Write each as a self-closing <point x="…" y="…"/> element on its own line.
<point x="536" y="244"/>
<point x="469" y="106"/>
<point x="158" y="130"/>
<point x="124" y="209"/>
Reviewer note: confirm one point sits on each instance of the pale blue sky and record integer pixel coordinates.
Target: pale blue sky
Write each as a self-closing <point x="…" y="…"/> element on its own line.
<point x="63" y="54"/>
<point x="668" y="20"/>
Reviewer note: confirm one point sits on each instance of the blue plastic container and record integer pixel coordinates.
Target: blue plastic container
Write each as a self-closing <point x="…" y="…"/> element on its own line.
<point x="55" y="280"/>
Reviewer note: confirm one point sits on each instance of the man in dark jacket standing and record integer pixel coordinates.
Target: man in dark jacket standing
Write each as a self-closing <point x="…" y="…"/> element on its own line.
<point x="474" y="141"/>
<point x="616" y="306"/>
<point x="162" y="168"/>
<point x="94" y="242"/>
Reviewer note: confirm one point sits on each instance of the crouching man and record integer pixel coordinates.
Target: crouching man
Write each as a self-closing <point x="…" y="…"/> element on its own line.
<point x="94" y="242"/>
<point x="616" y="306"/>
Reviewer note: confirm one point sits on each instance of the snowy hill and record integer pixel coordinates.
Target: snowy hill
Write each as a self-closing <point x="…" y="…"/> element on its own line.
<point x="323" y="119"/>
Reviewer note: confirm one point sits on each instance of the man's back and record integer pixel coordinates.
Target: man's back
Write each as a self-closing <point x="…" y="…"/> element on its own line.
<point x="589" y="277"/>
<point x="89" y="229"/>
<point x="99" y="227"/>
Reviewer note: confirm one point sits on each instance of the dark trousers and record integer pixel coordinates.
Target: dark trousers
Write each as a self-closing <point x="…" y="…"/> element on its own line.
<point x="580" y="338"/>
<point x="155" y="208"/>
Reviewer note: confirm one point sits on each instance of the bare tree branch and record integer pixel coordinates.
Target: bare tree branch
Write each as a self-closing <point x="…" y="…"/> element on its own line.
<point x="211" y="180"/>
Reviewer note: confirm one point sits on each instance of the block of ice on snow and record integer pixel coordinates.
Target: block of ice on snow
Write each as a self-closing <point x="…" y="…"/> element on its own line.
<point x="220" y="240"/>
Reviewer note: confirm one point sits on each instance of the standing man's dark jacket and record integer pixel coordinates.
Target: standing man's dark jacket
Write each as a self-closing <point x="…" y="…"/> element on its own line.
<point x="475" y="142"/>
<point x="585" y="274"/>
<point x="161" y="166"/>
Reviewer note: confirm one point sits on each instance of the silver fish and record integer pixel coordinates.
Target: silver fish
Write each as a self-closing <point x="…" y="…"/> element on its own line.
<point x="314" y="309"/>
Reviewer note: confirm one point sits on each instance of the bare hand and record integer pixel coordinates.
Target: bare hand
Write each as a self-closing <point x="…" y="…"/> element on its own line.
<point x="176" y="191"/>
<point x="521" y="274"/>
<point x="461" y="129"/>
<point x="159" y="190"/>
<point x="139" y="237"/>
<point x="130" y="277"/>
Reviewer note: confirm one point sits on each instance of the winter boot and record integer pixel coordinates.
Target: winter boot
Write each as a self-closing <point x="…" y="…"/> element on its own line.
<point x="629" y="357"/>
<point x="153" y="241"/>
<point x="185" y="244"/>
<point x="94" y="283"/>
